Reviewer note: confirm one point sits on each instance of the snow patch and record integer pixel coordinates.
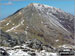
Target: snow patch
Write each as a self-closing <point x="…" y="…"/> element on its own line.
<point x="13" y="28"/>
<point x="66" y="46"/>
<point x="26" y="32"/>
<point x="37" y="5"/>
<point x="56" y="23"/>
<point x="27" y="27"/>
<point x="17" y="51"/>
<point x="56" y="40"/>
<point x="22" y="22"/>
<point x="42" y="7"/>
<point x="9" y="21"/>
<point x="44" y="53"/>
<point x="7" y="24"/>
<point x="13" y="24"/>
<point x="45" y="25"/>
<point x="20" y="13"/>
<point x="42" y="22"/>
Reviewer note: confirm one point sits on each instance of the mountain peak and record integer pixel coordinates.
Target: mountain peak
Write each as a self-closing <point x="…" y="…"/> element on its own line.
<point x="40" y="5"/>
<point x="42" y="22"/>
<point x="44" y="6"/>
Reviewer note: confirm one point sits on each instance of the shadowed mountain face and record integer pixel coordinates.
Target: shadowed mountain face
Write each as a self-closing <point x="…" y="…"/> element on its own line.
<point x="48" y="24"/>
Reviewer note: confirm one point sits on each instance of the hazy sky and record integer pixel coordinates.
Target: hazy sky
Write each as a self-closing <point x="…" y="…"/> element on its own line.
<point x="9" y="7"/>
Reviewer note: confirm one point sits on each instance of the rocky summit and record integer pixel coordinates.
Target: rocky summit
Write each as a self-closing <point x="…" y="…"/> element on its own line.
<point x="50" y="25"/>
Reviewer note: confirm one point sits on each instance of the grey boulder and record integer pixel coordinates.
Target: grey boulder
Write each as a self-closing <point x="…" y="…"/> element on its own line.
<point x="34" y="43"/>
<point x="3" y="52"/>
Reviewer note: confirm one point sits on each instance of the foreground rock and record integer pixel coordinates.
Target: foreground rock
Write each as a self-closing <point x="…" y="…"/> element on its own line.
<point x="32" y="47"/>
<point x="26" y="51"/>
<point x="3" y="52"/>
<point x="37" y="44"/>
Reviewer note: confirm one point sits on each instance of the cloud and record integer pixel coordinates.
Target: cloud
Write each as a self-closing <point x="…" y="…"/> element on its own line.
<point x="14" y="0"/>
<point x="9" y="3"/>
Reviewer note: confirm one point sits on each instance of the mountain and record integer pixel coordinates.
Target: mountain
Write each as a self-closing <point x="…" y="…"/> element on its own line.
<point x="37" y="21"/>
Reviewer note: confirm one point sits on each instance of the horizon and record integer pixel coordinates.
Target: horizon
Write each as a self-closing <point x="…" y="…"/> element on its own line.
<point x="67" y="6"/>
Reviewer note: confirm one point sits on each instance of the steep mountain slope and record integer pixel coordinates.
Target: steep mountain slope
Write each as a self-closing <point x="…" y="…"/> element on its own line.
<point x="48" y="24"/>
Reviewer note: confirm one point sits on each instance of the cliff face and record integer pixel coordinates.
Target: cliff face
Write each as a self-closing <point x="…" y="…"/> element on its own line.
<point x="48" y="24"/>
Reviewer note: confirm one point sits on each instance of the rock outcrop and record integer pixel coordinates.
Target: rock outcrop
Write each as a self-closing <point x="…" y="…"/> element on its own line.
<point x="3" y="52"/>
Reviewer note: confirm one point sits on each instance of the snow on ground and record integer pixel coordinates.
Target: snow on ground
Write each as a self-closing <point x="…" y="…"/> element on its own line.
<point x="9" y="21"/>
<point x="20" y="13"/>
<point x="20" y="51"/>
<point x="13" y="24"/>
<point x="27" y="27"/>
<point x="22" y="22"/>
<point x="16" y="32"/>
<point x="7" y="24"/>
<point x="54" y="21"/>
<point x="44" y="53"/>
<point x="42" y="22"/>
<point x="57" y="40"/>
<point x="37" y="5"/>
<point x="67" y="46"/>
<point x="40" y="6"/>
<point x="13" y="28"/>
<point x="26" y="32"/>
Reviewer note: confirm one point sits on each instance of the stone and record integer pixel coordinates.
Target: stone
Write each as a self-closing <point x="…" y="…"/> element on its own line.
<point x="34" y="43"/>
<point x="3" y="52"/>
